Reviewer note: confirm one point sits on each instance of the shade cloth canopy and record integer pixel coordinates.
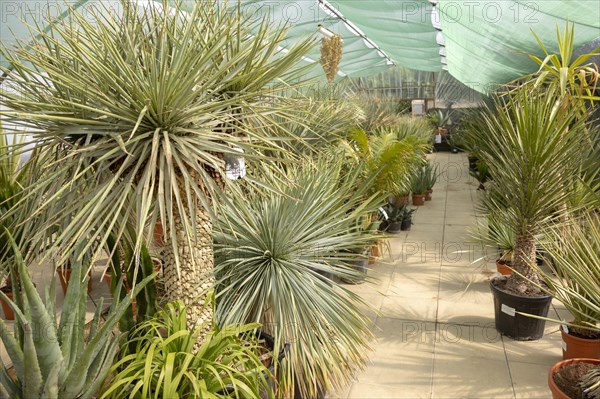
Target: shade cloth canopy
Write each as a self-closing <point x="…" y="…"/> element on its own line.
<point x="480" y="43"/>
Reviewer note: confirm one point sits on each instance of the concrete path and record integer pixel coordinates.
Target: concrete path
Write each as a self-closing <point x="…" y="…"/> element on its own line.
<point x="435" y="318"/>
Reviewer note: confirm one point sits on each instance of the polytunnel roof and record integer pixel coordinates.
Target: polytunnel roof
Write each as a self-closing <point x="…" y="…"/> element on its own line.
<point x="480" y="43"/>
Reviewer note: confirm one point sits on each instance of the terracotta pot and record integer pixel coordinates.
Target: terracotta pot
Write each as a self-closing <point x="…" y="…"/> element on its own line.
<point x="64" y="275"/>
<point x="400" y="201"/>
<point x="418" y="199"/>
<point x="503" y="269"/>
<point x="428" y="194"/>
<point x="575" y="347"/>
<point x="442" y="131"/>
<point x="9" y="314"/>
<point x="557" y="393"/>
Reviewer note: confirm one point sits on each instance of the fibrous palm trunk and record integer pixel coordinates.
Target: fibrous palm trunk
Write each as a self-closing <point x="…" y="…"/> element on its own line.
<point x="523" y="259"/>
<point x="196" y="265"/>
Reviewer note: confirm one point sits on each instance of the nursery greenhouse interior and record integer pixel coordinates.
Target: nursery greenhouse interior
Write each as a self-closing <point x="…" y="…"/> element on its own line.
<point x="300" y="199"/>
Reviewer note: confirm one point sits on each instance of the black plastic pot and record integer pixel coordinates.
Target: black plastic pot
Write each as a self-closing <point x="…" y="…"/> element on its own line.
<point x="406" y="223"/>
<point x="394" y="227"/>
<point x="514" y="325"/>
<point x="383" y="225"/>
<point x="362" y="267"/>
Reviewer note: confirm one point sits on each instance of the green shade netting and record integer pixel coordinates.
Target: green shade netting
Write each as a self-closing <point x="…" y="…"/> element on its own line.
<point x="485" y="40"/>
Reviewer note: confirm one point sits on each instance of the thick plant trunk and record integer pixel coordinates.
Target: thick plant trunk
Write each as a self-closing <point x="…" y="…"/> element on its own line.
<point x="523" y="258"/>
<point x="196" y="262"/>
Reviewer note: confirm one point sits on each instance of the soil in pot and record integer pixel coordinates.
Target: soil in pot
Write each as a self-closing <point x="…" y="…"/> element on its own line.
<point x="576" y="345"/>
<point x="568" y="377"/>
<point x="418" y="199"/>
<point x="512" y="324"/>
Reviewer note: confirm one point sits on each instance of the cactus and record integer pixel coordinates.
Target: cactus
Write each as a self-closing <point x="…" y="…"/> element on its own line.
<point x="57" y="360"/>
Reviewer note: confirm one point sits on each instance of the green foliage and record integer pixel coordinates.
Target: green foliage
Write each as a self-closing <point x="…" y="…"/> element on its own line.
<point x="160" y="360"/>
<point x="534" y="148"/>
<point x="495" y="232"/>
<point x="440" y="118"/>
<point x="122" y="265"/>
<point x="419" y="180"/>
<point x="431" y="174"/>
<point x="383" y="159"/>
<point x="481" y="172"/>
<point x="272" y="252"/>
<point x="574" y="273"/>
<point x="572" y="78"/>
<point x="58" y="360"/>
<point x="136" y="109"/>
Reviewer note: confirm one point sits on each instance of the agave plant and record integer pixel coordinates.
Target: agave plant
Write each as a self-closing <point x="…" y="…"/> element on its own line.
<point x="272" y="253"/>
<point x="534" y="150"/>
<point x="57" y="360"/>
<point x="160" y="360"/>
<point x="136" y="111"/>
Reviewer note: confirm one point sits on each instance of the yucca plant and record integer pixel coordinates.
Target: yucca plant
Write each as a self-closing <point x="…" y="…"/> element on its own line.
<point x="590" y="383"/>
<point x="160" y="360"/>
<point x="272" y="253"/>
<point x="533" y="148"/>
<point x="57" y="360"/>
<point x="573" y="78"/>
<point x="573" y="275"/>
<point x="135" y="111"/>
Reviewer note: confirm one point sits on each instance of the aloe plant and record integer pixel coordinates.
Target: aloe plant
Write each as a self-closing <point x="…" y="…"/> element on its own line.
<point x="57" y="360"/>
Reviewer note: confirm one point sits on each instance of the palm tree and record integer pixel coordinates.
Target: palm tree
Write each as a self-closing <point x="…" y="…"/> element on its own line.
<point x="534" y="148"/>
<point x="134" y="114"/>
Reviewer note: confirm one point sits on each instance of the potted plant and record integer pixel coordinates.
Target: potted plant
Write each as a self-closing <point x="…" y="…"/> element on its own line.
<point x="534" y="151"/>
<point x="431" y="176"/>
<point x="577" y="378"/>
<point x="163" y="358"/>
<point x="276" y="281"/>
<point x="393" y="223"/>
<point x="43" y="348"/>
<point x="494" y="232"/>
<point x="406" y="218"/>
<point x="573" y="278"/>
<point x="419" y="185"/>
<point x="481" y="173"/>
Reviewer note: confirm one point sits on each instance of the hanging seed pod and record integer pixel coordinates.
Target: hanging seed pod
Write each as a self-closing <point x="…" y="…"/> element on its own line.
<point x="331" y="55"/>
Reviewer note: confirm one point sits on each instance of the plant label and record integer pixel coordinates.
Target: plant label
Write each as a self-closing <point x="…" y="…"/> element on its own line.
<point x="564" y="346"/>
<point x="508" y="310"/>
<point x="565" y="328"/>
<point x="438" y="138"/>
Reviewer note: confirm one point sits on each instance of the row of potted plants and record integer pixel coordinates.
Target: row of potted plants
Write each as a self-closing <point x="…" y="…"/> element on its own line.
<point x="537" y="151"/>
